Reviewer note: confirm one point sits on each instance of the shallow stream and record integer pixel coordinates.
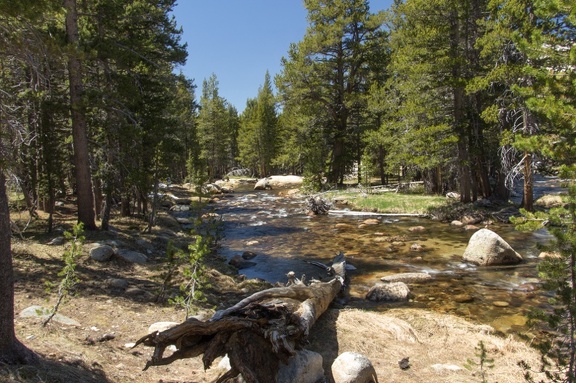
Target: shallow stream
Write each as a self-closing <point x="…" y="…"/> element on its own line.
<point x="278" y="230"/>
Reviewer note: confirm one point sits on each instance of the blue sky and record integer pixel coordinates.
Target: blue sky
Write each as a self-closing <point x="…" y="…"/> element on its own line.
<point x="239" y="40"/>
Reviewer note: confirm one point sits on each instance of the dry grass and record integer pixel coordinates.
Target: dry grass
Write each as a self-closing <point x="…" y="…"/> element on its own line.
<point x="432" y="341"/>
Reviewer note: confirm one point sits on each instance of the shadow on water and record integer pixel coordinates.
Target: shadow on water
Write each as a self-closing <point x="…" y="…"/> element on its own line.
<point x="284" y="238"/>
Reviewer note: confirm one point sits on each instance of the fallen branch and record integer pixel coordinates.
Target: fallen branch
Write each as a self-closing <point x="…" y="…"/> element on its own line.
<point x="257" y="333"/>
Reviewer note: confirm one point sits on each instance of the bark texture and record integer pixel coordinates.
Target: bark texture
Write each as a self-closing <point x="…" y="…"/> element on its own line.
<point x="86" y="213"/>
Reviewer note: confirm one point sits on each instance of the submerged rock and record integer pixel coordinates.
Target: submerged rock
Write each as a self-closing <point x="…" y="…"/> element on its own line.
<point x="406" y="277"/>
<point x="240" y="263"/>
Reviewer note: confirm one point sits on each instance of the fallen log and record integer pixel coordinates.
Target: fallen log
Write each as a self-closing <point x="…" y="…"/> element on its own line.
<point x="257" y="333"/>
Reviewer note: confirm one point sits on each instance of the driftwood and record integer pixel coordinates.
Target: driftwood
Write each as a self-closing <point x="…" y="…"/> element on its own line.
<point x="257" y="333"/>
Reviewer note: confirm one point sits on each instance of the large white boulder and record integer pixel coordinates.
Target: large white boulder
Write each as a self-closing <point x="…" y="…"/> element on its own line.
<point x="274" y="182"/>
<point x="486" y="248"/>
<point x="352" y="367"/>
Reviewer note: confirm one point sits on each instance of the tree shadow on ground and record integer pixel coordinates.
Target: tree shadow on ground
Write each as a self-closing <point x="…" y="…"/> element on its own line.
<point x="51" y="371"/>
<point x="324" y="340"/>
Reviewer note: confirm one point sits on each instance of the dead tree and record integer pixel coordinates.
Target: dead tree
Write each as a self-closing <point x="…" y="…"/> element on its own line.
<point x="257" y="333"/>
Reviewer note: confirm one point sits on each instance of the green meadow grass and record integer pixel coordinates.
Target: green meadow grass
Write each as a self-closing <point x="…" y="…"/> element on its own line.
<point x="390" y="202"/>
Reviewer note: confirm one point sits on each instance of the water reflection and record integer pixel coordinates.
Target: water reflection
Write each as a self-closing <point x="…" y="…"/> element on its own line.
<point x="284" y="237"/>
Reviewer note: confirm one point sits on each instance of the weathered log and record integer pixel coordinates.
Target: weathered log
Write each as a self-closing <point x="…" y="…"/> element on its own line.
<point x="257" y="333"/>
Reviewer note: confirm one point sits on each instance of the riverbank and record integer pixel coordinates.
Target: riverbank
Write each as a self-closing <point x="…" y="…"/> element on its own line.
<point x="438" y="346"/>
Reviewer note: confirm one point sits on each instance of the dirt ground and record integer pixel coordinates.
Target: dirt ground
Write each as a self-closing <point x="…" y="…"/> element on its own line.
<point x="440" y="347"/>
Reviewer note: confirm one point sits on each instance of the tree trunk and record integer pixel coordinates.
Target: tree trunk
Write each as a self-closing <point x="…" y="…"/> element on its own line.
<point x="458" y="116"/>
<point x="11" y="350"/>
<point x="528" y="195"/>
<point x="256" y="333"/>
<point x="382" y="165"/>
<point x="85" y="201"/>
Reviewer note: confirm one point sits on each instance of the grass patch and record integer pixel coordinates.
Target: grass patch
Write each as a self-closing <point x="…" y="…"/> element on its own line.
<point x="391" y="202"/>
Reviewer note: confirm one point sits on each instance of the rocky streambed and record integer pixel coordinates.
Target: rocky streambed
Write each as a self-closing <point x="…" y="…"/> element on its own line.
<point x="267" y="234"/>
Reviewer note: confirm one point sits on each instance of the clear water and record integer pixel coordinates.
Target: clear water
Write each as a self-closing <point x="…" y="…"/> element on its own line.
<point x="278" y="230"/>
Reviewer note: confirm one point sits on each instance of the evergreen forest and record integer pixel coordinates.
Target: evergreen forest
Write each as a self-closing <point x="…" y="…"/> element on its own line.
<point x="465" y="96"/>
<point x="468" y="96"/>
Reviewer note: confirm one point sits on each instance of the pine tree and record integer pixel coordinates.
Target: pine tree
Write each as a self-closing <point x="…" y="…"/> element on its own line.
<point x="214" y="131"/>
<point x="325" y="76"/>
<point x="546" y="40"/>
<point x="85" y="200"/>
<point x="258" y="135"/>
<point x="437" y="123"/>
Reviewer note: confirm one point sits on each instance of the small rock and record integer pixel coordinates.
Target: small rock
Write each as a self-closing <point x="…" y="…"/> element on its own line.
<point x="248" y="255"/>
<point x="43" y="313"/>
<point x="252" y="243"/>
<point x="406" y="277"/>
<point x="371" y="221"/>
<point x="417" y="229"/>
<point x="57" y="241"/>
<point x="501" y="304"/>
<point x="456" y="223"/>
<point x="240" y="263"/>
<point x="470" y="220"/>
<point x="404" y="363"/>
<point x="132" y="256"/>
<point x="161" y="326"/>
<point x="101" y="253"/>
<point x="416" y="247"/>
<point x="353" y="367"/>
<point x="389" y="292"/>
<point x="224" y="363"/>
<point x="135" y="292"/>
<point x="106" y="337"/>
<point x="144" y="243"/>
<point x="463" y="298"/>
<point x="118" y="283"/>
